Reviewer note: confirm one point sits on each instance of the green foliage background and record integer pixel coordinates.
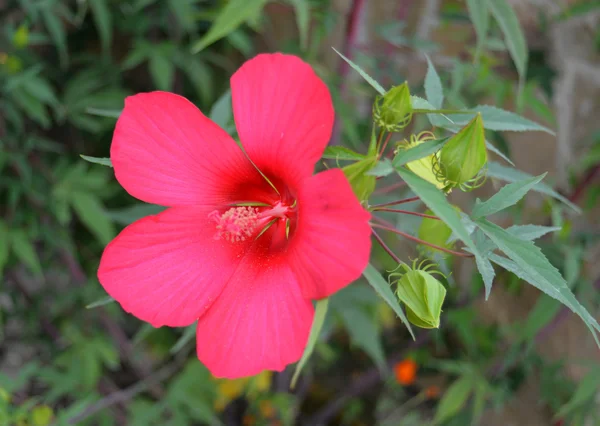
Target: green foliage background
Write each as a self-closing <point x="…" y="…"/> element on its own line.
<point x="70" y="356"/>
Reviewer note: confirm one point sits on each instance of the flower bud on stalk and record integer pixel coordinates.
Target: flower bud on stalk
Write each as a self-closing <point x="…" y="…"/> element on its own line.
<point x="424" y="167"/>
<point x="393" y="111"/>
<point x="422" y="295"/>
<point x="461" y="160"/>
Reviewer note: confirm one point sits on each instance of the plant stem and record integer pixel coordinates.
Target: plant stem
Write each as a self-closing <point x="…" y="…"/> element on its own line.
<point x="395" y="203"/>
<point x="387" y="139"/>
<point x="383" y="209"/>
<point x="385" y="247"/>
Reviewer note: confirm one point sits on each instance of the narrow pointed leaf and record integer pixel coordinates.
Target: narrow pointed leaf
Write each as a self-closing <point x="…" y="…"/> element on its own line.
<point x="433" y="86"/>
<point x="480" y="16"/>
<point x="509" y="174"/>
<point x="342" y="153"/>
<point x="507" y="196"/>
<point x="382" y="288"/>
<point x="529" y="263"/>
<point x="420" y="151"/>
<point x="499" y="153"/>
<point x="101" y="302"/>
<point x="315" y="332"/>
<point x="97" y="160"/>
<point x="513" y="35"/>
<point x="363" y="74"/>
<point x="437" y="202"/>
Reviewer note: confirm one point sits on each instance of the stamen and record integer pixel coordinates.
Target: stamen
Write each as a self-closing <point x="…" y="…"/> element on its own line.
<point x="236" y="224"/>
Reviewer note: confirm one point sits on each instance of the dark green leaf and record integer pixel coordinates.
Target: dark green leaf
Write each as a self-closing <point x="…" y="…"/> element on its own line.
<point x="23" y="248"/>
<point x="4" y="246"/>
<point x="129" y="215"/>
<point x="382" y="168"/>
<point x="162" y="71"/>
<point x="587" y="389"/>
<point x="436" y="201"/>
<point x="97" y="160"/>
<point x="382" y="288"/>
<point x="102" y="20"/>
<point x="507" y="196"/>
<point x="342" y="153"/>
<point x="234" y="14"/>
<point x="454" y="399"/>
<point x="433" y="86"/>
<point x="513" y="35"/>
<point x="188" y="335"/>
<point x="90" y="211"/>
<point x="480" y="16"/>
<point x="422" y="150"/>
<point x="302" y="9"/>
<point x="221" y="112"/>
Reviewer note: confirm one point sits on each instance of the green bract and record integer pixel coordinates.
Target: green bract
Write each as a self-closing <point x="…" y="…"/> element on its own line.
<point x="393" y="111"/>
<point x="362" y="184"/>
<point x="435" y="232"/>
<point x="422" y="295"/>
<point x="462" y="158"/>
<point x="424" y="167"/>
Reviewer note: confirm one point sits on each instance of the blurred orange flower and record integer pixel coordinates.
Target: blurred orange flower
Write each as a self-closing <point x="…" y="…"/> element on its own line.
<point x="432" y="392"/>
<point x="406" y="372"/>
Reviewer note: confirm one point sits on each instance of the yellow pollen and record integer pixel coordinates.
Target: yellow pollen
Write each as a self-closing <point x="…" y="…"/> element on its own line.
<point x="236" y="224"/>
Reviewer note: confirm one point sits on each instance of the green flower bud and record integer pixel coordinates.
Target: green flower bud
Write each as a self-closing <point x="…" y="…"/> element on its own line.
<point x="461" y="159"/>
<point x="424" y="167"/>
<point x="393" y="111"/>
<point x="422" y="295"/>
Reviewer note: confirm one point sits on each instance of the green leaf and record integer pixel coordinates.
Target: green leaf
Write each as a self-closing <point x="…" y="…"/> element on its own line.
<point x="587" y="389"/>
<point x="499" y="120"/>
<point x="433" y="86"/>
<point x="101" y="112"/>
<point x="480" y="16"/>
<point x="382" y="288"/>
<point x="509" y="174"/>
<point x="513" y="35"/>
<point x="103" y="22"/>
<point x="544" y="311"/>
<point x="4" y="246"/>
<point x="234" y="14"/>
<point x="101" y="302"/>
<point x="454" y="399"/>
<point x="315" y="332"/>
<point x="362" y="184"/>
<point x="130" y="214"/>
<point x="363" y="74"/>
<point x="90" y="211"/>
<point x="531" y="232"/>
<point x="97" y="160"/>
<point x="364" y="333"/>
<point x="436" y="201"/>
<point x="420" y="151"/>
<point x="499" y="153"/>
<point x="507" y="196"/>
<point x="162" y="71"/>
<point x="23" y="248"/>
<point x="57" y="32"/>
<point x="188" y="335"/>
<point x="302" y="9"/>
<point x="529" y="263"/>
<point x="221" y="111"/>
<point x="342" y="153"/>
<point x="382" y="168"/>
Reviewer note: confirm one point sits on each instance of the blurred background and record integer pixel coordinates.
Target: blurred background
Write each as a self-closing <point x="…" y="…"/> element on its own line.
<point x="70" y="356"/>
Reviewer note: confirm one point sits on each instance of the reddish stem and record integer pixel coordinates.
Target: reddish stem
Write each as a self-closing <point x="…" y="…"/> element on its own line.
<point x="387" y="139"/>
<point x="385" y="247"/>
<point x="418" y="240"/>
<point x="395" y="203"/>
<point x="428" y="216"/>
<point x="390" y="188"/>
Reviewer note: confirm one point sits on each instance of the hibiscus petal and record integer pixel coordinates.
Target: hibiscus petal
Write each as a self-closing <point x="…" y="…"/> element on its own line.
<point x="332" y="242"/>
<point x="168" y="269"/>
<point x="260" y="322"/>
<point x="165" y="151"/>
<point x="283" y="114"/>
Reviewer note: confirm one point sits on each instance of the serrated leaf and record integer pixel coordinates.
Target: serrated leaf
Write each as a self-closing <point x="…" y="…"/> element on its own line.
<point x="433" y="86"/>
<point x="23" y="248"/>
<point x="382" y="168"/>
<point x="509" y="174"/>
<point x="162" y="71"/>
<point x="103" y="22"/>
<point x="513" y="35"/>
<point x="531" y="232"/>
<point x="499" y="120"/>
<point x="499" y="153"/>
<point x="420" y="151"/>
<point x="529" y="263"/>
<point x="342" y="153"/>
<point x="101" y="302"/>
<point x="90" y="211"/>
<point x="454" y="399"/>
<point x="97" y="160"/>
<point x="234" y="14"/>
<point x="382" y="288"/>
<point x="315" y="332"/>
<point x="436" y="201"/>
<point x="363" y="74"/>
<point x="507" y="196"/>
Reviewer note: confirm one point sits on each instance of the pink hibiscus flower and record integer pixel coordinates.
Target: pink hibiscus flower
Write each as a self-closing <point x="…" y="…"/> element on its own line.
<point x="238" y="253"/>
